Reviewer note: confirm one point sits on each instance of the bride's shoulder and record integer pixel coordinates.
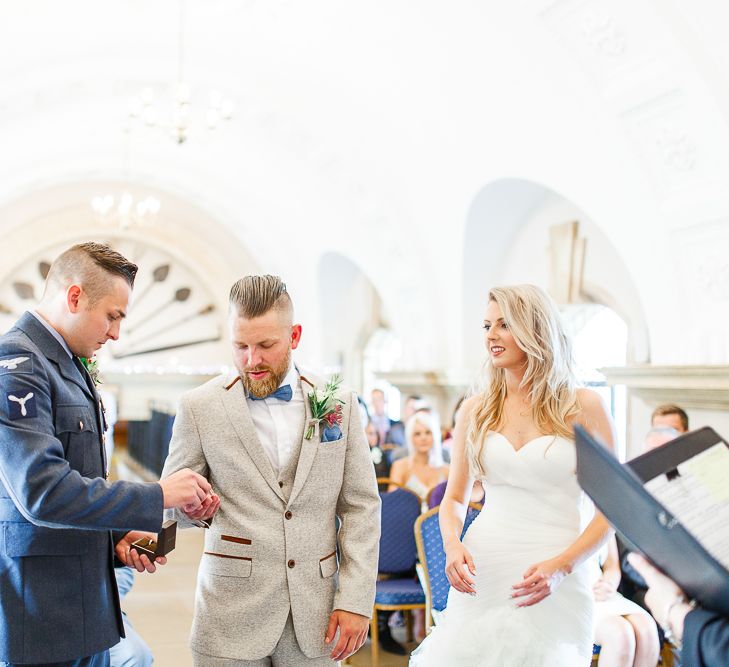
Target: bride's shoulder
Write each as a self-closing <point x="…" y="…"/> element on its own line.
<point x="594" y="416"/>
<point x="589" y="401"/>
<point x="468" y="406"/>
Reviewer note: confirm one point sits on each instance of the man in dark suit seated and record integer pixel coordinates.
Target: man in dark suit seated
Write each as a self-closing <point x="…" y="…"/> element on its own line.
<point x="58" y="594"/>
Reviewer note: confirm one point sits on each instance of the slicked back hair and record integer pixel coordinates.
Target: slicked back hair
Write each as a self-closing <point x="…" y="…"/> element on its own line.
<point x="91" y="265"/>
<point x="254" y="296"/>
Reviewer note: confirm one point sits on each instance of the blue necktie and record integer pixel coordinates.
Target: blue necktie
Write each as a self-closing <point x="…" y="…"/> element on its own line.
<point x="283" y="393"/>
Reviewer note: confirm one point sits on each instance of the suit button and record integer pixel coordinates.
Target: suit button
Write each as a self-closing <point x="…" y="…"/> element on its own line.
<point x="80" y="426"/>
<point x="280" y="484"/>
<point x="291" y="564"/>
<point x="288" y="514"/>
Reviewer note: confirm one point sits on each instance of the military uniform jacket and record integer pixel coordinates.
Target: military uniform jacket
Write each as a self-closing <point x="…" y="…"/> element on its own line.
<point x="273" y="547"/>
<point x="58" y="595"/>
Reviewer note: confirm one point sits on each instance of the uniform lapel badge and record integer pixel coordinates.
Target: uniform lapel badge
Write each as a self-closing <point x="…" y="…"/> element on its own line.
<point x="21" y="405"/>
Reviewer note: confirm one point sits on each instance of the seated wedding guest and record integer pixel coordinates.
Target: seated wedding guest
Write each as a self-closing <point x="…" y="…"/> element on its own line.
<point x="701" y="635"/>
<point x="382" y="467"/>
<point x="626" y="633"/>
<point x="671" y="416"/>
<point x="423" y="468"/>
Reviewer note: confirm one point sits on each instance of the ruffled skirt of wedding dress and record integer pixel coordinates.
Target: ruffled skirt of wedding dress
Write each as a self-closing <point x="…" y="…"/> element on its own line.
<point x="488" y="630"/>
<point x="500" y="637"/>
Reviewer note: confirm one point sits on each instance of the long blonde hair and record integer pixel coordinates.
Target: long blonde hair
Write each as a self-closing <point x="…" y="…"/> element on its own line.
<point x="535" y="324"/>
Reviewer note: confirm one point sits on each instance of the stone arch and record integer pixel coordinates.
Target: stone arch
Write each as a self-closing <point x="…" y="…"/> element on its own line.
<point x="510" y="214"/>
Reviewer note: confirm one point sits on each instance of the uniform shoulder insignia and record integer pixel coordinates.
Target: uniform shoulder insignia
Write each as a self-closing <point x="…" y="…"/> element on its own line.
<point x="21" y="404"/>
<point x="15" y="364"/>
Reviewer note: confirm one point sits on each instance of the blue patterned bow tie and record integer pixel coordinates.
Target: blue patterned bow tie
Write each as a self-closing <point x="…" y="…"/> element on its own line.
<point x="283" y="393"/>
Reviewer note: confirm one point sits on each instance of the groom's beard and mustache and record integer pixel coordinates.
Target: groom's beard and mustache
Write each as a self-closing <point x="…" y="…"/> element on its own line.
<point x="269" y="384"/>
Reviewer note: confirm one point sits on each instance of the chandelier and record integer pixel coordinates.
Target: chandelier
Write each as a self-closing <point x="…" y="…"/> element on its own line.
<point x="124" y="211"/>
<point x="186" y="110"/>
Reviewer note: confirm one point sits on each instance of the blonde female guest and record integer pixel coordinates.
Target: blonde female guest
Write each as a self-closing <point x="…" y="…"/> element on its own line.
<point x="522" y="583"/>
<point x="423" y="468"/>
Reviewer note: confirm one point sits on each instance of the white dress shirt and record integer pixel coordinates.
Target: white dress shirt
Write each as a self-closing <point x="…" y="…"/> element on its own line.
<point x="279" y="424"/>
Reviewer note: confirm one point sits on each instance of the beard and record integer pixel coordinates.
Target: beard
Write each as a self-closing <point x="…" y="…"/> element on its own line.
<point x="269" y="384"/>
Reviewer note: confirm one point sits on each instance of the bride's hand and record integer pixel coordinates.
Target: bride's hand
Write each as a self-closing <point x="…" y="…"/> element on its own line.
<point x="540" y="580"/>
<point x="603" y="589"/>
<point x="457" y="556"/>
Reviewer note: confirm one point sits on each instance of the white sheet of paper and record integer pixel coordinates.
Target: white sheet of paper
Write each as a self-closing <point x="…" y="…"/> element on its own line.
<point x="699" y="498"/>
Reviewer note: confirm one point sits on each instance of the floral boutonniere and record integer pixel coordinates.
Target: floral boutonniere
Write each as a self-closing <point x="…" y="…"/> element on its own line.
<point x="91" y="365"/>
<point x="325" y="406"/>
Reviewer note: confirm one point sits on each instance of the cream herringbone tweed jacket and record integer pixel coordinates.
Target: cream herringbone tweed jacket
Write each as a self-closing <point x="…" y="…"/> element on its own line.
<point x="267" y="551"/>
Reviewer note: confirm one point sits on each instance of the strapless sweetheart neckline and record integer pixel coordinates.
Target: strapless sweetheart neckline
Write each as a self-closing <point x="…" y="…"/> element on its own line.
<point x="516" y="450"/>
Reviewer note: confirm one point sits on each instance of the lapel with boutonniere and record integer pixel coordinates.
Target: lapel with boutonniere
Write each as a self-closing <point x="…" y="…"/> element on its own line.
<point x="324" y="417"/>
<point x="91" y="365"/>
<point x="326" y="411"/>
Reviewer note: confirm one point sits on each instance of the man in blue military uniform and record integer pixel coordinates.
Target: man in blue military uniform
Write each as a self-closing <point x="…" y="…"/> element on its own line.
<point x="60" y="520"/>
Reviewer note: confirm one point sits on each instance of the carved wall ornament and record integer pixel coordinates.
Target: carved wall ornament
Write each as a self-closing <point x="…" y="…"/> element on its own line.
<point x="566" y="262"/>
<point x="602" y="33"/>
<point x="678" y="151"/>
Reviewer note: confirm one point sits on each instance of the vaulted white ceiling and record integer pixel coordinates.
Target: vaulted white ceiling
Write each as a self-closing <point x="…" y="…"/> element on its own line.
<point x="369" y="129"/>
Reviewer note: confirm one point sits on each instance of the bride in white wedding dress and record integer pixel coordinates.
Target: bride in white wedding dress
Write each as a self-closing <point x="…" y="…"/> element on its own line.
<point x="521" y="591"/>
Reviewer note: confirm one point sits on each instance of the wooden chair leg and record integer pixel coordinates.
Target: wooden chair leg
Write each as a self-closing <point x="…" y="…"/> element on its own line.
<point x="419" y="624"/>
<point x="409" y="625"/>
<point x="375" y="639"/>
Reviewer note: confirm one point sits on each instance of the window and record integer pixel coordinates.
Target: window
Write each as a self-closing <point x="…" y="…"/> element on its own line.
<point x="600" y="339"/>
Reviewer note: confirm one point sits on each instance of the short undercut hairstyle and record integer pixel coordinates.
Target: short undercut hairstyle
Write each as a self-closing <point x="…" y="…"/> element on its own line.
<point x="91" y="265"/>
<point x="671" y="409"/>
<point x="254" y="296"/>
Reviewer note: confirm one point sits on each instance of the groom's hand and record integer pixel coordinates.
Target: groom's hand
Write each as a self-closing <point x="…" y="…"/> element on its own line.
<point x="352" y="633"/>
<point x="206" y="511"/>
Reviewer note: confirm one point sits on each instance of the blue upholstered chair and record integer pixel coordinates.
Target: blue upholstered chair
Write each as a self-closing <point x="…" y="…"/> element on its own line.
<point x="398" y="553"/>
<point x="432" y="557"/>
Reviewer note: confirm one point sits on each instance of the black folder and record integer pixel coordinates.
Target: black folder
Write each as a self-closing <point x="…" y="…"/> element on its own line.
<point x="646" y="525"/>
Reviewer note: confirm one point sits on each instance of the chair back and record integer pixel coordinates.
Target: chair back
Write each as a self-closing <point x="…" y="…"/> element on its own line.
<point x="435" y="495"/>
<point x="400" y="509"/>
<point x="433" y="559"/>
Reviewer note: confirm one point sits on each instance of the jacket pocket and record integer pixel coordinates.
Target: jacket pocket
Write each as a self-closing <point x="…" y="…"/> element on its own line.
<point x="75" y="427"/>
<point x="25" y="539"/>
<point x="224" y="565"/>
<point x="328" y="565"/>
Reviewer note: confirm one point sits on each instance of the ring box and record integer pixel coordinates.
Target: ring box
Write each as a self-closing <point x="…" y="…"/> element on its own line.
<point x="164" y="544"/>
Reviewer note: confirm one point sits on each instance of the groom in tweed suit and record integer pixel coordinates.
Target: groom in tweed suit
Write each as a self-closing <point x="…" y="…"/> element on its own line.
<point x="277" y="584"/>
